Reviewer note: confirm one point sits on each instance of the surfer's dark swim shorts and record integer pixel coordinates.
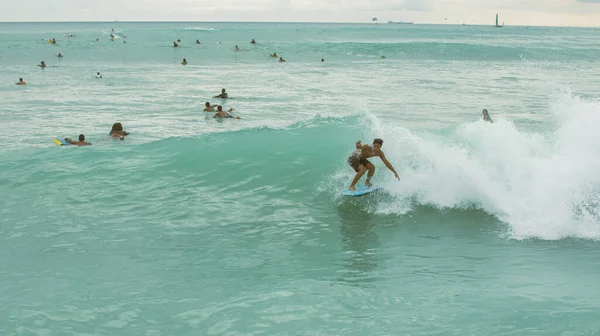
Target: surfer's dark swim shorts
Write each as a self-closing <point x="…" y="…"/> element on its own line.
<point x="355" y="162"/>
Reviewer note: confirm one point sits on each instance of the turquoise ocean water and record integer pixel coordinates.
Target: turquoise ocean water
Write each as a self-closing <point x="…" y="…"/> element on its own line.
<point x="194" y="226"/>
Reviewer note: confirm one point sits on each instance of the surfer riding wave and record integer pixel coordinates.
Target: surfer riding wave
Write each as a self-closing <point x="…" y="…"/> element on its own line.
<point x="358" y="161"/>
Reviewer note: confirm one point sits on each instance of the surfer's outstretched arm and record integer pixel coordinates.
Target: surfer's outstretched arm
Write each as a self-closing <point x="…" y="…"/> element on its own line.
<point x="388" y="165"/>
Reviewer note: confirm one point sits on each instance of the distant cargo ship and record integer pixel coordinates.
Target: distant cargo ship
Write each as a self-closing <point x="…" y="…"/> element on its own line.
<point x="400" y="22"/>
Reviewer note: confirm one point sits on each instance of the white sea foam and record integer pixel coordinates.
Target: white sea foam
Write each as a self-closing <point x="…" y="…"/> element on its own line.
<point x="543" y="185"/>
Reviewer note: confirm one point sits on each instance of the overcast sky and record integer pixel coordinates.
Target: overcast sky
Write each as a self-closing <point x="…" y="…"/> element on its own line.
<point x="512" y="12"/>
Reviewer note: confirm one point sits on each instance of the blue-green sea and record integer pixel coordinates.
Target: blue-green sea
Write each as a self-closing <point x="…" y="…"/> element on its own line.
<point x="194" y="225"/>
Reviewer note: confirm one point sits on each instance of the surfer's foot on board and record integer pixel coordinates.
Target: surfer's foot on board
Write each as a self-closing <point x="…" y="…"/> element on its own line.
<point x="352" y="188"/>
<point x="368" y="184"/>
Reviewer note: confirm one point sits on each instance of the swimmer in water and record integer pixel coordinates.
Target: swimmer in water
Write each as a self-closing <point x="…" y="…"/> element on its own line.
<point x="281" y="60"/>
<point x="274" y="55"/>
<point x="237" y="48"/>
<point x="59" y="55"/>
<point x="81" y="141"/>
<point x="209" y="108"/>
<point x="486" y="116"/>
<point x="382" y="57"/>
<point x="222" y="95"/>
<point x="175" y="45"/>
<point x="178" y="40"/>
<point x="42" y="65"/>
<point x="21" y="82"/>
<point x="322" y="60"/>
<point x="117" y="131"/>
<point x="253" y="42"/>
<point x="222" y="114"/>
<point x="184" y="62"/>
<point x="98" y="75"/>
<point x="198" y="42"/>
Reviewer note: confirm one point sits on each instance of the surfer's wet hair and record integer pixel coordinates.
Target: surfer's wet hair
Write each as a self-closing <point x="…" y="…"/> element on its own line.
<point x="378" y="141"/>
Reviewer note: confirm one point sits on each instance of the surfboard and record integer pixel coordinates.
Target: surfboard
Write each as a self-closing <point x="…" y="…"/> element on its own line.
<point x="360" y="191"/>
<point x="61" y="142"/>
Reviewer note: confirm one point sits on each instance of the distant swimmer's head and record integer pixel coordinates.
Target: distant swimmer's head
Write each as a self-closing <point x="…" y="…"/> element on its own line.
<point x="377" y="143"/>
<point x="117" y="127"/>
<point x="382" y="57"/>
<point x="81" y="137"/>
<point x="486" y="115"/>
<point x="178" y="40"/>
<point x="222" y="90"/>
<point x="322" y="60"/>
<point x="207" y="104"/>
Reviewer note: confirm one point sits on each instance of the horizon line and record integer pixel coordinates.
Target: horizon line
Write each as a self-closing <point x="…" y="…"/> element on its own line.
<point x="296" y="22"/>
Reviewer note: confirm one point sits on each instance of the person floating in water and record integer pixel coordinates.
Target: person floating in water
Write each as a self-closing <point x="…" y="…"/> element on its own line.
<point x="178" y="41"/>
<point x="274" y="55"/>
<point x="42" y="64"/>
<point x="486" y="116"/>
<point x="198" y="42"/>
<point x="253" y="42"/>
<point x="237" y="48"/>
<point x="209" y="108"/>
<point x="358" y="161"/>
<point x="98" y="75"/>
<point x="222" y="95"/>
<point x="117" y="131"/>
<point x="175" y="45"/>
<point x="59" y="55"/>
<point x="222" y="114"/>
<point x="184" y="62"/>
<point x="322" y="60"/>
<point x="21" y="82"/>
<point x="81" y="141"/>
<point x="281" y="60"/>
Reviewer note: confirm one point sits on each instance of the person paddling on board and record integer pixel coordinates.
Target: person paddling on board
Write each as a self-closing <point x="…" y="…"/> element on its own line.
<point x="81" y="141"/>
<point x="222" y="114"/>
<point x="222" y="95"/>
<point x="486" y="116"/>
<point x="358" y="161"/>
